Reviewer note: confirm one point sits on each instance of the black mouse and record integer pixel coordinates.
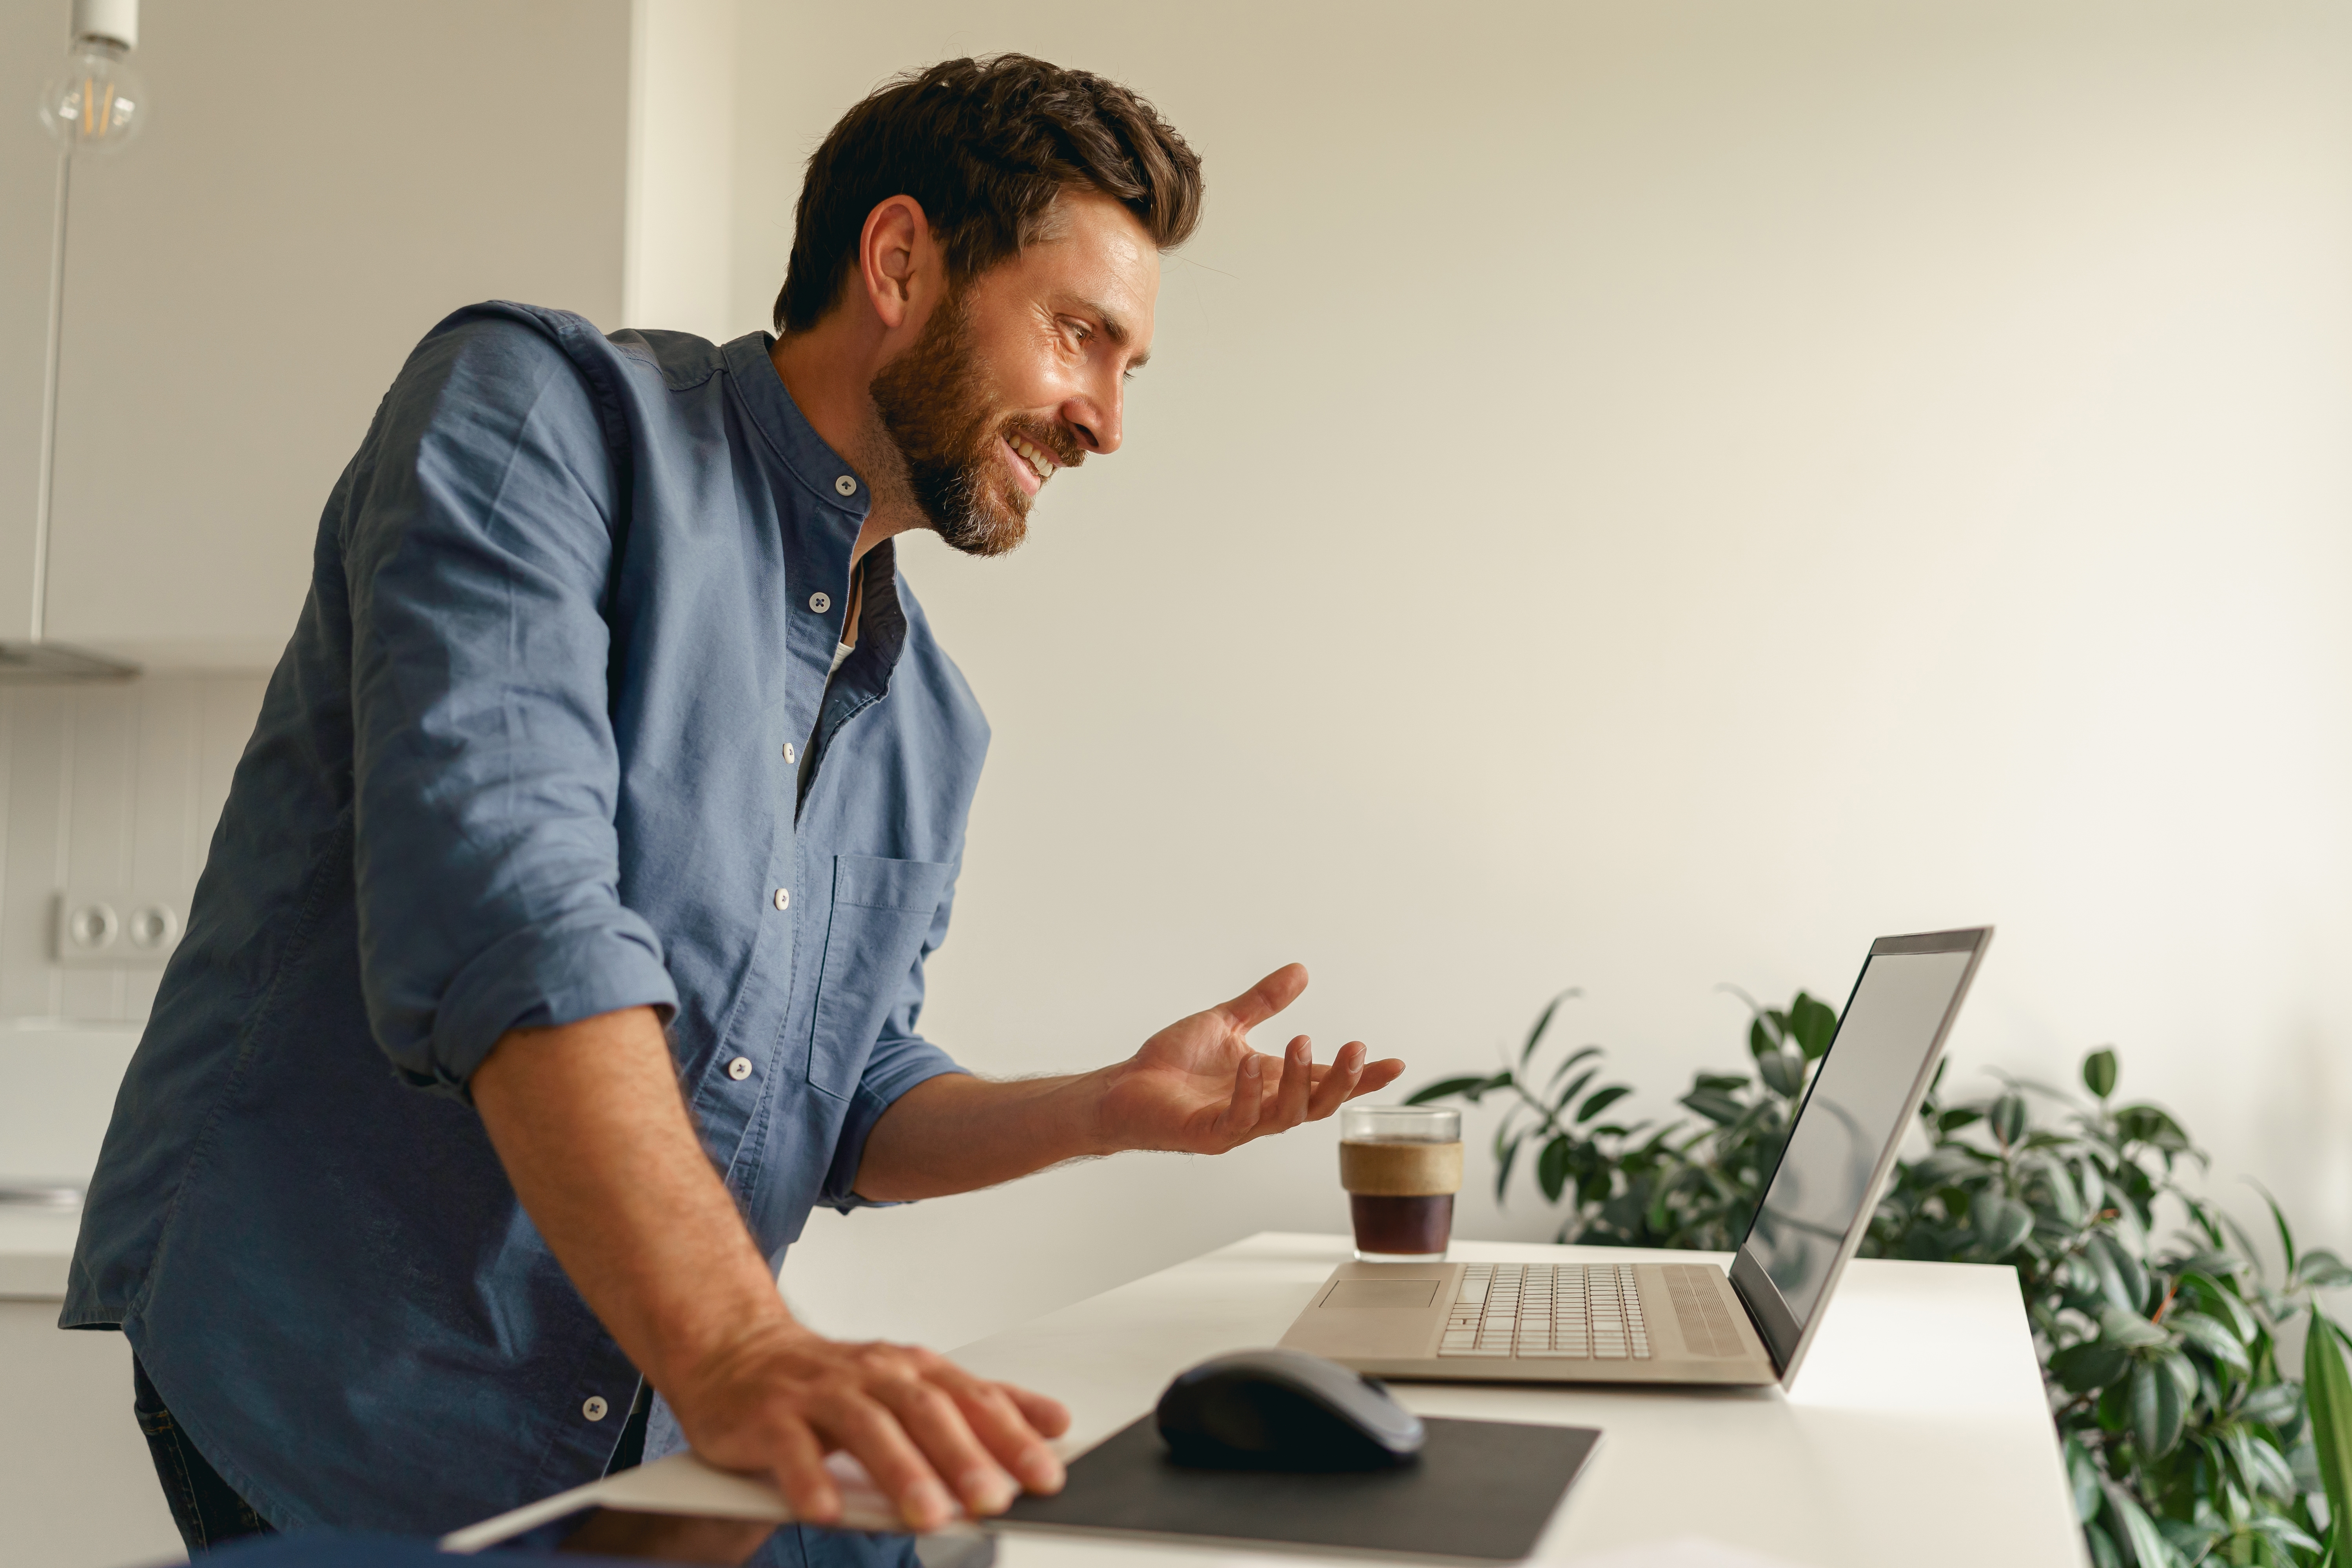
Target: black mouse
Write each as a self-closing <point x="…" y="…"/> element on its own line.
<point x="1285" y="1410"/>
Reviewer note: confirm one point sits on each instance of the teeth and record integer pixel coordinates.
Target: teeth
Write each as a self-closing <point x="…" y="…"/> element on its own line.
<point x="1035" y="456"/>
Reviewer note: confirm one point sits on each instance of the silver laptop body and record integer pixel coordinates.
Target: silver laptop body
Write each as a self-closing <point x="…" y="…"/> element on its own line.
<point x="1605" y="1322"/>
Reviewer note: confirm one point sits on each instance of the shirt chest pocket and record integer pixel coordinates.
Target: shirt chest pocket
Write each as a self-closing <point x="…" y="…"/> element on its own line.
<point x="882" y="909"/>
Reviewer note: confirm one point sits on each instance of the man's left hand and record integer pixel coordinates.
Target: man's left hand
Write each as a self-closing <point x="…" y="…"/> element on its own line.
<point x="1198" y="1087"/>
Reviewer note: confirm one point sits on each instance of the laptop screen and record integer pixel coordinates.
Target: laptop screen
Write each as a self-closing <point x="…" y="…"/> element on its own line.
<point x="1863" y="1095"/>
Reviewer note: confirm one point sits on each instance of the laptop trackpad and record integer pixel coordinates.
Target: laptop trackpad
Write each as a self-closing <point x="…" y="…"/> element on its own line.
<point x="1381" y="1293"/>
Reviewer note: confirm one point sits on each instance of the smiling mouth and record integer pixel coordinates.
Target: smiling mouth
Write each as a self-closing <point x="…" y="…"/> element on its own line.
<point x="1041" y="462"/>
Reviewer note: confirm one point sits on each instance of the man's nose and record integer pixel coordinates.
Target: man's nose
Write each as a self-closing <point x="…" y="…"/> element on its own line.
<point x="1097" y="421"/>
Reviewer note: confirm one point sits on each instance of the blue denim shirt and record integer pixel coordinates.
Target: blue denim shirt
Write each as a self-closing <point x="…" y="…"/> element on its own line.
<point x="528" y="757"/>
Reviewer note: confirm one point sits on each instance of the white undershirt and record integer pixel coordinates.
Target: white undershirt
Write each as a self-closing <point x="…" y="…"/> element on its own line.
<point x="841" y="652"/>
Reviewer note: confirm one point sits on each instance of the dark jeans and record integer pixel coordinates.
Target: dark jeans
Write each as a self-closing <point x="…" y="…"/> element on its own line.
<point x="205" y="1507"/>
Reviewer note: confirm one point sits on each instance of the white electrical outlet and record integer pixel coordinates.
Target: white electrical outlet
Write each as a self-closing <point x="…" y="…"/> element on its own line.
<point x="116" y="926"/>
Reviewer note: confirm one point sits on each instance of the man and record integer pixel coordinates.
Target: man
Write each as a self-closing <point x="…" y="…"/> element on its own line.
<point x="612" y="787"/>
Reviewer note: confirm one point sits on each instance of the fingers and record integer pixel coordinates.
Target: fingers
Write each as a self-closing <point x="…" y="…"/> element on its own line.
<point x="936" y="1421"/>
<point x="1264" y="999"/>
<point x="1048" y="1417"/>
<point x="936" y="1441"/>
<point x="871" y="1432"/>
<point x="798" y="1463"/>
<point x="1297" y="1085"/>
<point x="1377" y="1075"/>
<point x="1336" y="1085"/>
<point x="1248" y="1102"/>
<point x="1005" y="1427"/>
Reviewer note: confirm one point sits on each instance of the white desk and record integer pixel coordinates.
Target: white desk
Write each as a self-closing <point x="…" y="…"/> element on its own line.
<point x="1916" y="1435"/>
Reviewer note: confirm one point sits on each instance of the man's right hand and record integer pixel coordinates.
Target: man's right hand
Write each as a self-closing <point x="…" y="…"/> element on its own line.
<point x="587" y="1119"/>
<point x="932" y="1435"/>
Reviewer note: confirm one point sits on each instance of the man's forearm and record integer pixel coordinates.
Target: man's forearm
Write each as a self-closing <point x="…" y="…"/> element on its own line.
<point x="589" y="1124"/>
<point x="954" y="1133"/>
<point x="1197" y="1086"/>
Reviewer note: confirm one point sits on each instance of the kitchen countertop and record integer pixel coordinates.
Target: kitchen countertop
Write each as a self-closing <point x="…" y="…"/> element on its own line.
<point x="35" y="1245"/>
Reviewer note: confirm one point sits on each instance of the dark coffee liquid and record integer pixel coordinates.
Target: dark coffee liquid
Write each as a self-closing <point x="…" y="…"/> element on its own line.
<point x="1412" y="1226"/>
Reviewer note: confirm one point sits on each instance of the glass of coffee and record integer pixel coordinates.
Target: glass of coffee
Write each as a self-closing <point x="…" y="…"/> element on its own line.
<point x="1401" y="1165"/>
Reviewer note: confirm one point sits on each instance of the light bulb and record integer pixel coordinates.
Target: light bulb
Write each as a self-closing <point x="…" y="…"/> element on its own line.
<point x="97" y="102"/>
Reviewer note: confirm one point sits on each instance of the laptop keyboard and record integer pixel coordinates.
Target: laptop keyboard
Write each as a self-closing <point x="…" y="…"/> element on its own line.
<point x="1549" y="1310"/>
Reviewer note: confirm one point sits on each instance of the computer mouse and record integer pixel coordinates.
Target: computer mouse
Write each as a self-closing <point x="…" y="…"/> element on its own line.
<point x="1285" y="1410"/>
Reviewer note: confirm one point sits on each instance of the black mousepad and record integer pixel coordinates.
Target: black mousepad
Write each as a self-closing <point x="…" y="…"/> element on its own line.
<point x="1481" y="1492"/>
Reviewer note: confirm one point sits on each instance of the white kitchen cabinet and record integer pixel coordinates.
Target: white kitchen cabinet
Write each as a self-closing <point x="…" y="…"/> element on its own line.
<point x="316" y="187"/>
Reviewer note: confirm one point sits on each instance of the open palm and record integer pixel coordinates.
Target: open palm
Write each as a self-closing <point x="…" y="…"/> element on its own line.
<point x="1199" y="1087"/>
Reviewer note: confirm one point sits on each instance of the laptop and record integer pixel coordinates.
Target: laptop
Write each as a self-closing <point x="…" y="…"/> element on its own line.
<point x="1683" y="1322"/>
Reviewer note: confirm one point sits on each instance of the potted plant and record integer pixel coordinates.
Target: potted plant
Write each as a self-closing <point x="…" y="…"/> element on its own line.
<point x="2190" y="1435"/>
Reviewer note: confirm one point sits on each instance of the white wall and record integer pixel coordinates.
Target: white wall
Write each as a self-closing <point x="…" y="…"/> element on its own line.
<point x="1638" y="495"/>
<point x="678" y="258"/>
<point x="103" y="788"/>
<point x="1650" y="494"/>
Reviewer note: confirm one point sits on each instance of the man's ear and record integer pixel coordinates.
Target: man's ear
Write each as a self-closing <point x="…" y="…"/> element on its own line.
<point x="897" y="259"/>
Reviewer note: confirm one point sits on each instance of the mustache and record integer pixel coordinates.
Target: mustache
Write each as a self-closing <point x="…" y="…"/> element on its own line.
<point x="1055" y="439"/>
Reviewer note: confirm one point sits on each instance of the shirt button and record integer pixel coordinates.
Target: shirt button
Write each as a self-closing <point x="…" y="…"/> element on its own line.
<point x="820" y="603"/>
<point x="844" y="485"/>
<point x="788" y="753"/>
<point x="740" y="1068"/>
<point x="596" y="1407"/>
<point x="784" y="898"/>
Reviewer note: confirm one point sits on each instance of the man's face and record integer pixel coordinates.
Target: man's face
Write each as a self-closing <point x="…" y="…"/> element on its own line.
<point x="1021" y="372"/>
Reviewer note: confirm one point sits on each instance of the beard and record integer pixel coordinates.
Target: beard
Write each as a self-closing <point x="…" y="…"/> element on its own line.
<point x="938" y="406"/>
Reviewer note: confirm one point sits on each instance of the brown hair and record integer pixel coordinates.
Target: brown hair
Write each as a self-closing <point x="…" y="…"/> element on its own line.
<point x="985" y="145"/>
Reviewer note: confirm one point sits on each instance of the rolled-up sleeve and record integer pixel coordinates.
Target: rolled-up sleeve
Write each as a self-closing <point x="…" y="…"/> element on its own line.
<point x="901" y="1059"/>
<point x="479" y="541"/>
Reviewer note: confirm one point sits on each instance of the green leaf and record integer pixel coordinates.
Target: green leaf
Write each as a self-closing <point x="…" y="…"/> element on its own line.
<point x="1950" y="1165"/>
<point x="2065" y="1203"/>
<point x="1783" y="1071"/>
<point x="1601" y="1100"/>
<point x="1959" y="1116"/>
<point x="2089" y="1366"/>
<point x="2122" y="1276"/>
<point x="1535" y="1035"/>
<point x="2008" y="1119"/>
<point x="2151" y="1125"/>
<point x="2099" y="1071"/>
<point x="2002" y="1222"/>
<point x="2154" y="1411"/>
<point x="1551" y="1167"/>
<point x="2119" y="1327"/>
<point x="1470" y="1089"/>
<point x="1714" y="1105"/>
<point x="2094" y="1185"/>
<point x="2327" y="1391"/>
<point x="1812" y="1024"/>
<point x="2287" y="1236"/>
<point x="1759" y="1037"/>
<point x="2083" y="1479"/>
<point x="2211" y="1335"/>
<point x="2221" y="1302"/>
<point x="1509" y="1155"/>
<point x="2145" y="1543"/>
<point x="1575" y="1086"/>
<point x="2323" y="1270"/>
<point x="1581" y="1053"/>
<point x="2273" y="1405"/>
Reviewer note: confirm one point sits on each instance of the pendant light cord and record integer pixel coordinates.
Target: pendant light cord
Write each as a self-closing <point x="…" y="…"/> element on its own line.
<point x="39" y="627"/>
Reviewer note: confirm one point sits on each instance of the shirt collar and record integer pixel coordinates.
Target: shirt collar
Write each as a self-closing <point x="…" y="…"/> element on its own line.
<point x="823" y="473"/>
